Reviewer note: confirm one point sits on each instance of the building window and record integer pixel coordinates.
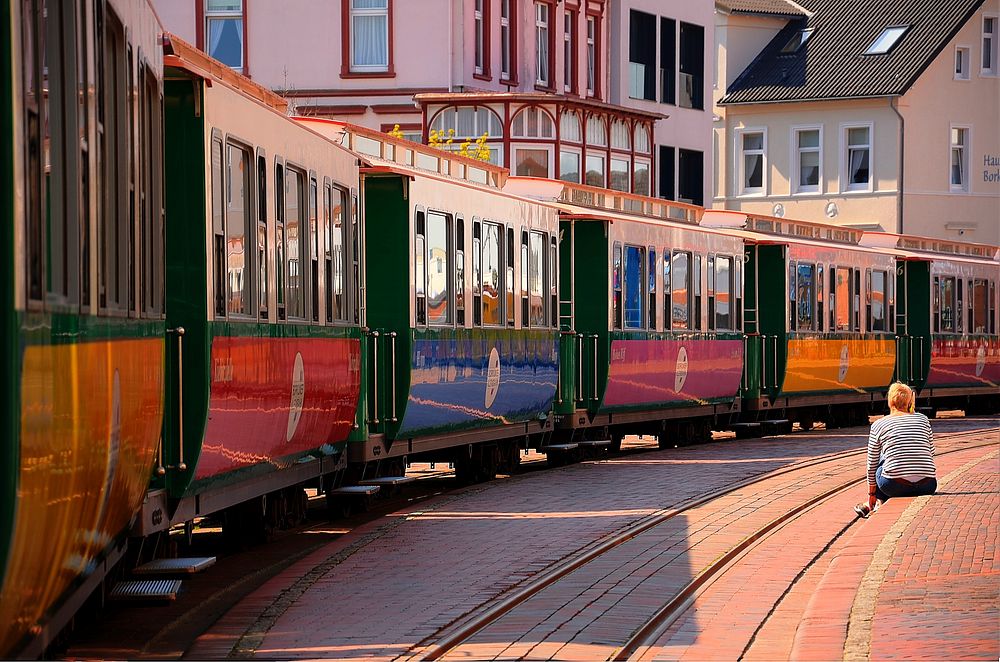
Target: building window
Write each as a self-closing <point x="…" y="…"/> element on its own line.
<point x="479" y="22"/>
<point x="640" y="182"/>
<point x="620" y="136"/>
<point x="690" y="179"/>
<point x="532" y="122"/>
<point x="569" y="127"/>
<point x="808" y="145"/>
<point x="595" y="170"/>
<point x="569" y="51"/>
<point x="797" y="41"/>
<point x="591" y="55"/>
<point x="224" y="31"/>
<point x="753" y="145"/>
<point x="887" y="40"/>
<point x="531" y="161"/>
<point x="959" y="159"/>
<point x="508" y="33"/>
<point x="596" y="131"/>
<point x="989" y="46"/>
<point x="641" y="140"/>
<point x="961" y="63"/>
<point x="857" y="158"/>
<point x="542" y="60"/>
<point x="666" y="170"/>
<point x="668" y="61"/>
<point x="569" y="166"/>
<point x="469" y="123"/>
<point x="642" y="55"/>
<point x="620" y="171"/>
<point x="692" y="69"/>
<point x="369" y="40"/>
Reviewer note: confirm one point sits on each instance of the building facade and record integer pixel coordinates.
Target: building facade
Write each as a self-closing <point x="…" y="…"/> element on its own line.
<point x="889" y="120"/>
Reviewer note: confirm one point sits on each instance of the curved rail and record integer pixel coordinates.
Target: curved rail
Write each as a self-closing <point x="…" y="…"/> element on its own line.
<point x="450" y="637"/>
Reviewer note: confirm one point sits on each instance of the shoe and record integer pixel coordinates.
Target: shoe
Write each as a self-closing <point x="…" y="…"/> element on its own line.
<point x="863" y="510"/>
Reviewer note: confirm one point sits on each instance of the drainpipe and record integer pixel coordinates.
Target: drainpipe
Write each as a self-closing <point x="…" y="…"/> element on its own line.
<point x="899" y="185"/>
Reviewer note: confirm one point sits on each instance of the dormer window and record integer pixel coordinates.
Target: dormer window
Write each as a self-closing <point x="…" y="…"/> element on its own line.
<point x="797" y="41"/>
<point x="887" y="40"/>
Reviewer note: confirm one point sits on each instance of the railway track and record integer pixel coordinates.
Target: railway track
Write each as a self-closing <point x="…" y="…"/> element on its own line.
<point x="453" y="636"/>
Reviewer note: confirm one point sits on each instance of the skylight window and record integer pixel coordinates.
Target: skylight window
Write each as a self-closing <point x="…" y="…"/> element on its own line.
<point x="887" y="40"/>
<point x="798" y="40"/>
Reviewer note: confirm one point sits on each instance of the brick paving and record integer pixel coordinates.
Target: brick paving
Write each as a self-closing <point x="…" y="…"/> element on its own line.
<point x="385" y="587"/>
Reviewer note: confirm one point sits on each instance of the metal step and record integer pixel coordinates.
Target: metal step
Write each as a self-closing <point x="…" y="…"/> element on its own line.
<point x="145" y="589"/>
<point x="387" y="481"/>
<point x="776" y="426"/>
<point x="355" y="490"/>
<point x="187" y="566"/>
<point x="599" y="443"/>
<point x="746" y="430"/>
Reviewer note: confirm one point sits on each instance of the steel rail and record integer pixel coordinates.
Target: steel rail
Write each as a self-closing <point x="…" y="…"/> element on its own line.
<point x="453" y="635"/>
<point x="644" y="639"/>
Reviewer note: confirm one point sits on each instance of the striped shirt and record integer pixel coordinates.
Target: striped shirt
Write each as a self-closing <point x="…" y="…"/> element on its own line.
<point x="904" y="445"/>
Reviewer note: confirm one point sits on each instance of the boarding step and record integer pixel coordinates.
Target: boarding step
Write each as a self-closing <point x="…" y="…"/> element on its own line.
<point x="181" y="566"/>
<point x="746" y="430"/>
<point x="387" y="481"/>
<point x="558" y="447"/>
<point x="355" y="490"/>
<point x="140" y="590"/>
<point x="596" y="443"/>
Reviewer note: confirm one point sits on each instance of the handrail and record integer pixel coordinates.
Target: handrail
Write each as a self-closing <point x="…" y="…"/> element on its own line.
<point x="180" y="466"/>
<point x="375" y="337"/>
<point x="392" y="375"/>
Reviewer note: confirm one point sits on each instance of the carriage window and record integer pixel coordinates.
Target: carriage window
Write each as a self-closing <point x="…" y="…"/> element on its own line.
<point x="876" y="304"/>
<point x="510" y="277"/>
<point x="116" y="254"/>
<point x="419" y="267"/>
<point x="460" y="271"/>
<point x="723" y="292"/>
<point x="651" y="285"/>
<point x="237" y="230"/>
<point x="680" y="284"/>
<point x="295" y="242"/>
<point x="492" y="269"/>
<point x="218" y="228"/>
<point x="477" y="274"/>
<point x="805" y="286"/>
<point x="696" y="278"/>
<point x="960" y="307"/>
<point x="819" y="297"/>
<point x="524" y="278"/>
<point x="35" y="122"/>
<point x="634" y="261"/>
<point x="946" y="304"/>
<point x="616" y="285"/>
<point x="978" y="307"/>
<point x="993" y="308"/>
<point x="536" y="279"/>
<point x="152" y="197"/>
<point x="553" y="283"/>
<point x="738" y="293"/>
<point x="438" y="269"/>
<point x="313" y="250"/>
<point x="262" y="290"/>
<point x="279" y="239"/>
<point x="842" y="298"/>
<point x="666" y="290"/>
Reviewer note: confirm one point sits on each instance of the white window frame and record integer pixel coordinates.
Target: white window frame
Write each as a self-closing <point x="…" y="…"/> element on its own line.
<point x="226" y="15"/>
<point x="505" y="40"/>
<point x="966" y="163"/>
<point x="516" y="147"/>
<point x="580" y="165"/>
<point x="591" y="54"/>
<point x="798" y="188"/>
<point x="479" y="35"/>
<point x="994" y="37"/>
<point x="569" y="56"/>
<point x="368" y="68"/>
<point x="740" y="186"/>
<point x="966" y="58"/>
<point x="620" y="158"/>
<point x="845" y="185"/>
<point x="542" y="28"/>
<point x="648" y="164"/>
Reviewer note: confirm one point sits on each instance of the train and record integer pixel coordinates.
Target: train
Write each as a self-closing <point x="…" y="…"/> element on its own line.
<point x="210" y="303"/>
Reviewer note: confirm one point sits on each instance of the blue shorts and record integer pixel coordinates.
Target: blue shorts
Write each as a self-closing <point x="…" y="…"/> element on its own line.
<point x="886" y="488"/>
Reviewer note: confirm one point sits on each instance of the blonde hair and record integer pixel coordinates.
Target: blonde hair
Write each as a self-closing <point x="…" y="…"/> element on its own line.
<point x="900" y="397"/>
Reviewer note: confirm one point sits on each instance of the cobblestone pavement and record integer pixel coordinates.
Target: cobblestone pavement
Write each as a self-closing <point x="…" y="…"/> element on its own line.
<point x="386" y="586"/>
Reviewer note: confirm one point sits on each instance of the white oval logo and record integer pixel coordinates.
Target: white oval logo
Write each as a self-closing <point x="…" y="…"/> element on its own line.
<point x="980" y="361"/>
<point x="298" y="396"/>
<point x="680" y="369"/>
<point x="492" y="378"/>
<point x="844" y="364"/>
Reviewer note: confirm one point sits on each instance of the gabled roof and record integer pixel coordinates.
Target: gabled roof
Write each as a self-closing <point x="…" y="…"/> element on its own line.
<point x="779" y="8"/>
<point x="832" y="63"/>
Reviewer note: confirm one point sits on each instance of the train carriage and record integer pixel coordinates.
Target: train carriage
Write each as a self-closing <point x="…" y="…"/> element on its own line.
<point x="82" y="300"/>
<point x="461" y="296"/>
<point x="949" y="348"/>
<point x="263" y="302"/>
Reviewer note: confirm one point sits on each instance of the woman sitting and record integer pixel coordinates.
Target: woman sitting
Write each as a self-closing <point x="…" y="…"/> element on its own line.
<point x="900" y="453"/>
